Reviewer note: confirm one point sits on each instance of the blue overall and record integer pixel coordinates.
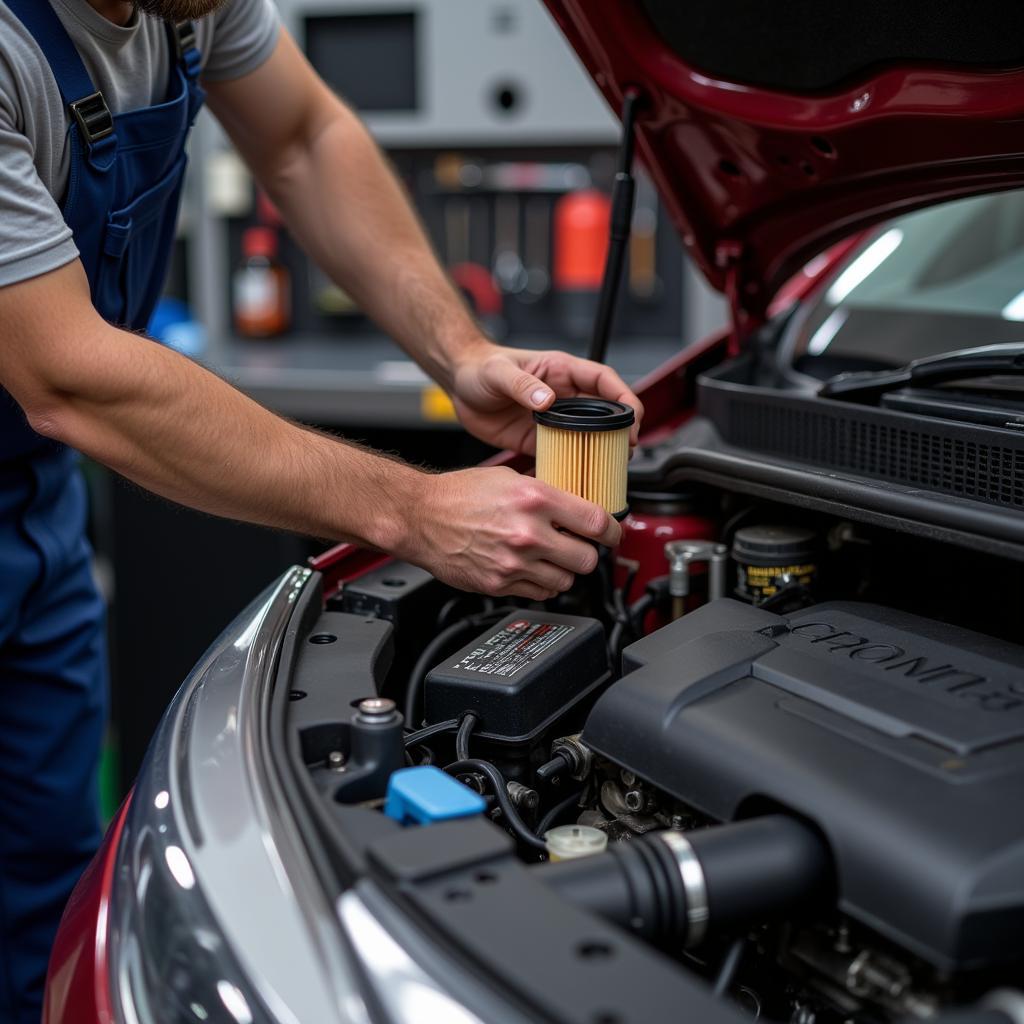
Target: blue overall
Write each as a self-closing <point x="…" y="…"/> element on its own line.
<point x="121" y="203"/>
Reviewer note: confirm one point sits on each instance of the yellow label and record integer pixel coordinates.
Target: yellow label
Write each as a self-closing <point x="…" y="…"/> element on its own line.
<point x="755" y="572"/>
<point x="436" y="406"/>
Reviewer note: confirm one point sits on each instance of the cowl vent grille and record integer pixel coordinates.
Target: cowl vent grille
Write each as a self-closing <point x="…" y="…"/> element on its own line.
<point x="904" y="449"/>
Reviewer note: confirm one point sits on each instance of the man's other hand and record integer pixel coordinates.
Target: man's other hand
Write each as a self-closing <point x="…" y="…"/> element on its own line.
<point x="493" y="531"/>
<point x="496" y="390"/>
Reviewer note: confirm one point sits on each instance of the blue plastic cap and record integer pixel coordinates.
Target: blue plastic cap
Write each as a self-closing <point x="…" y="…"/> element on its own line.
<point x="426" y="794"/>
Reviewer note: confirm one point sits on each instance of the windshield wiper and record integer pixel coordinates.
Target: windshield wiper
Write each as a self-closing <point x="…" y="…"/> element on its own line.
<point x="986" y="361"/>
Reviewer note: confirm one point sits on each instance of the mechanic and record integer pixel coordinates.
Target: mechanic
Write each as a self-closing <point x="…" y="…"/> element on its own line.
<point x="96" y="101"/>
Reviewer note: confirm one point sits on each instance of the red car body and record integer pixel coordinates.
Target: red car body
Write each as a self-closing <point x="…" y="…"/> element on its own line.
<point x="77" y="983"/>
<point x="759" y="181"/>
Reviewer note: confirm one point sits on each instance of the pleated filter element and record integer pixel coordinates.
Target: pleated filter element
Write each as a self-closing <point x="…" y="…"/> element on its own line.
<point x="583" y="448"/>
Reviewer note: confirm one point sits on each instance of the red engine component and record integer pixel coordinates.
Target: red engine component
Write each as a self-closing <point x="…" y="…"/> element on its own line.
<point x="654" y="519"/>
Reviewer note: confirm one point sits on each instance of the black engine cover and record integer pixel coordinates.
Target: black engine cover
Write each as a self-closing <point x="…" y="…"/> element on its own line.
<point x="902" y="738"/>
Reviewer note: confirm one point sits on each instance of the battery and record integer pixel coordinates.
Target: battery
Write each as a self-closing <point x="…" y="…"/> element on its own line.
<point x="520" y="675"/>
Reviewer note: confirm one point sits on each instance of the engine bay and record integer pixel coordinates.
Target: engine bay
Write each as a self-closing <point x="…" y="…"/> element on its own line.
<point x="778" y="752"/>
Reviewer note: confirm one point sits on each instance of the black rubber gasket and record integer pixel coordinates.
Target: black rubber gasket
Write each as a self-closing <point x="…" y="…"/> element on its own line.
<point x="586" y="414"/>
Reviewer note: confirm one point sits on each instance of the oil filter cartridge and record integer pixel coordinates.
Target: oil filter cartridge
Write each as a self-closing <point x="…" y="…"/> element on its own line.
<point x="583" y="448"/>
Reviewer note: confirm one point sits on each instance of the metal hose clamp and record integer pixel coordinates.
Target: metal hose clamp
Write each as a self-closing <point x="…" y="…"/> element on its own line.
<point x="694" y="885"/>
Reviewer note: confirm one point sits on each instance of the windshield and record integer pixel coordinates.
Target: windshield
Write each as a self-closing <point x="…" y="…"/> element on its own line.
<point x="946" y="278"/>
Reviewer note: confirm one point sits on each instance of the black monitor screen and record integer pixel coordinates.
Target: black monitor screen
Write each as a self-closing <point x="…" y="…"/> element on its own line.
<point x="369" y="59"/>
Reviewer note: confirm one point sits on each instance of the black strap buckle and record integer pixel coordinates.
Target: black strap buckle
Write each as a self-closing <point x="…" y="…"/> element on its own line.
<point x="184" y="38"/>
<point x="93" y="116"/>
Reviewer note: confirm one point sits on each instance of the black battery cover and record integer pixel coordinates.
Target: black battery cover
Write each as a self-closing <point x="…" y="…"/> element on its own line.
<point x="522" y="673"/>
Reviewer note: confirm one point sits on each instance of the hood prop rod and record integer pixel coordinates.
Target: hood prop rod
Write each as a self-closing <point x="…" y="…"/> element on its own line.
<point x="623" y="193"/>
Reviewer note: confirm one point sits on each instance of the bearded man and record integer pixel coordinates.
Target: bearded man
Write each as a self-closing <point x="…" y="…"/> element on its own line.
<point x="96" y="101"/>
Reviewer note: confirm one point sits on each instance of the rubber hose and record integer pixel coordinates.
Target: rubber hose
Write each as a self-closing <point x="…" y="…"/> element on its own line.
<point x="412" y="739"/>
<point x="466" y="728"/>
<point x="433" y="651"/>
<point x="498" y="785"/>
<point x="560" y="808"/>
<point x="427" y="660"/>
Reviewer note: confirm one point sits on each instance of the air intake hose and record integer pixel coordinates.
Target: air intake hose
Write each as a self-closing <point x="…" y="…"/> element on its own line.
<point x="671" y="885"/>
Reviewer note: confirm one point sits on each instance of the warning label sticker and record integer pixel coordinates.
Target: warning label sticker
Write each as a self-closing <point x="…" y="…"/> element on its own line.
<point x="513" y="648"/>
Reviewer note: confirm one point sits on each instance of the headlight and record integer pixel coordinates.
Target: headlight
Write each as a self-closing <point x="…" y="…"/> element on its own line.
<point x="215" y="914"/>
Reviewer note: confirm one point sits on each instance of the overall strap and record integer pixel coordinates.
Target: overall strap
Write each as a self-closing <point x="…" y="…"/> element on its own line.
<point x="87" y="105"/>
<point x="183" y="45"/>
<point x="189" y="62"/>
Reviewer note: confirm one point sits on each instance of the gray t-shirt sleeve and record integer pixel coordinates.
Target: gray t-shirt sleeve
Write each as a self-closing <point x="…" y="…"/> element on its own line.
<point x="245" y="33"/>
<point x="34" y="238"/>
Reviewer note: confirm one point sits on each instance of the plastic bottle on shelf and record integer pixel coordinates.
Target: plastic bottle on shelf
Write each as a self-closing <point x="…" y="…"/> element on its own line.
<point x="261" y="288"/>
<point x="582" y="222"/>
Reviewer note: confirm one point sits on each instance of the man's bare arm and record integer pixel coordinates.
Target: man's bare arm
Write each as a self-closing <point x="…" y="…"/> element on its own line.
<point x="176" y="429"/>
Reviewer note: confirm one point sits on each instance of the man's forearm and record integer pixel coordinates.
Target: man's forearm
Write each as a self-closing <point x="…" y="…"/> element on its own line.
<point x="172" y="427"/>
<point x="176" y="429"/>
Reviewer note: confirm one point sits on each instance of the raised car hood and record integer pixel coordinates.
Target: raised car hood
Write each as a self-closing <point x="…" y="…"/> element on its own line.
<point x="775" y="129"/>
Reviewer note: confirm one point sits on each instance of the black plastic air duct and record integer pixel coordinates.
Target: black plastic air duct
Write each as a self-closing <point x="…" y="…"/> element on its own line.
<point x="671" y="885"/>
